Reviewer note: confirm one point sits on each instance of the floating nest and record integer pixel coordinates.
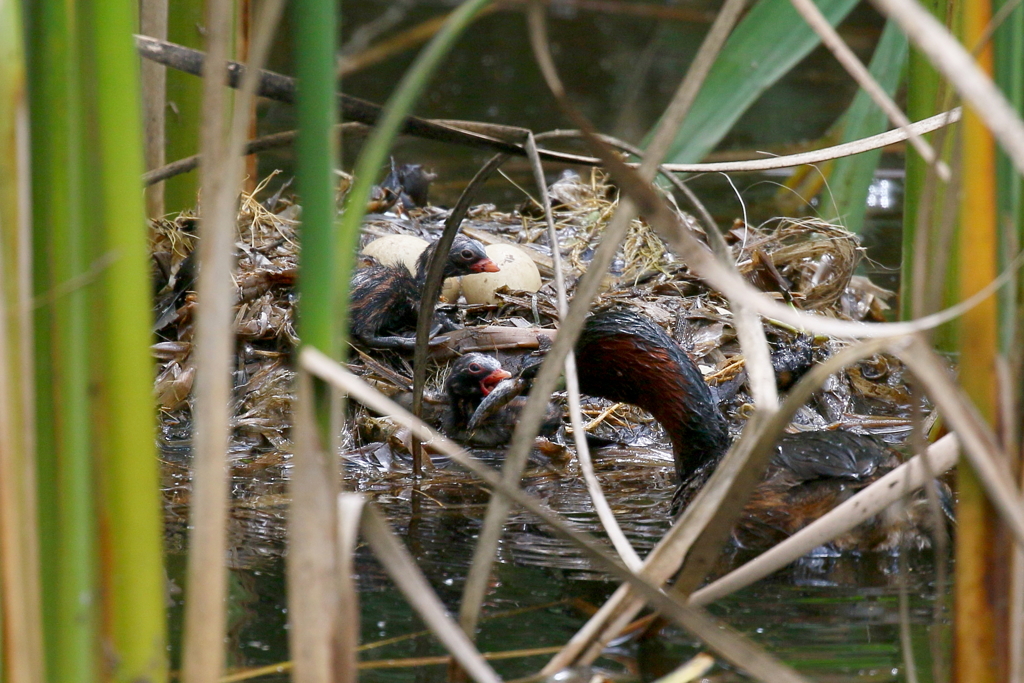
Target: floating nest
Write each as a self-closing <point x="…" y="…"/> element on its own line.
<point x="808" y="263"/>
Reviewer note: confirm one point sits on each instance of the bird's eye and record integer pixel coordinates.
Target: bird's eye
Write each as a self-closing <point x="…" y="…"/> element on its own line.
<point x="474" y="367"/>
<point x="467" y="254"/>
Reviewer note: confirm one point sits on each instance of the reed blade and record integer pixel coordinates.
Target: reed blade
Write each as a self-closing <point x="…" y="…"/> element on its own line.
<point x="766" y="44"/>
<point x="851" y="176"/>
<point x="132" y="525"/>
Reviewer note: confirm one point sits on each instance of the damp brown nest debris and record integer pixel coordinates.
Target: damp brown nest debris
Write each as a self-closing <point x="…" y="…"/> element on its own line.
<point x="267" y="251"/>
<point x="808" y="263"/>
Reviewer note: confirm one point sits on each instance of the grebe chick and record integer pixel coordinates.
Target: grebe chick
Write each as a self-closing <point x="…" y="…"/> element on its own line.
<point x="386" y="299"/>
<point x="473" y="378"/>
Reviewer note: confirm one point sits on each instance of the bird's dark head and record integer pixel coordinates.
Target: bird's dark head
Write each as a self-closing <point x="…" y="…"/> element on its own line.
<point x="474" y="376"/>
<point x="467" y="256"/>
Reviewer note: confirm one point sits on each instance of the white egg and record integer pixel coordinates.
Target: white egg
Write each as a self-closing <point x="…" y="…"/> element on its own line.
<point x="517" y="272"/>
<point x="392" y="250"/>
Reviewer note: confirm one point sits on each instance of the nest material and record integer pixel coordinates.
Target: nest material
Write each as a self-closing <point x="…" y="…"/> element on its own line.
<point x="267" y="252"/>
<point x="807" y="262"/>
<point x="815" y="259"/>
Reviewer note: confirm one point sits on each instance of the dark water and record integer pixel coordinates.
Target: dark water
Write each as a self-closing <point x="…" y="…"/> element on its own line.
<point x="833" y="618"/>
<point x="827" y="632"/>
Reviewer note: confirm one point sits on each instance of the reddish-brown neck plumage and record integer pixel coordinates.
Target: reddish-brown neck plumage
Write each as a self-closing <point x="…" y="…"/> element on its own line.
<point x="624" y="357"/>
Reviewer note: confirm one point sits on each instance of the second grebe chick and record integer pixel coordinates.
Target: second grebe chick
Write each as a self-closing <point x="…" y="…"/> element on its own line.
<point x="385" y="300"/>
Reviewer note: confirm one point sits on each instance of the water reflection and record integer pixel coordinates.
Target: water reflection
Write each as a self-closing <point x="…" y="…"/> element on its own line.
<point x="836" y="620"/>
<point x="828" y="614"/>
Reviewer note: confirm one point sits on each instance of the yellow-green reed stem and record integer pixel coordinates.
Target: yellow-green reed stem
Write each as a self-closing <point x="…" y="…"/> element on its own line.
<point x="316" y="24"/>
<point x="132" y="522"/>
<point x="981" y="590"/>
<point x="21" y="657"/>
<point x="1008" y="43"/>
<point x="926" y="97"/>
<point x="66" y="499"/>
<point x="378" y="144"/>
<point x="185" y="23"/>
<point x="75" y="656"/>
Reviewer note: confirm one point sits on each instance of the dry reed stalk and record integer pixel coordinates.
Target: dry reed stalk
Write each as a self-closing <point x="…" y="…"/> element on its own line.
<point x="222" y="140"/>
<point x="690" y="670"/>
<point x="730" y="645"/>
<point x="313" y="577"/>
<point x="824" y="154"/>
<point x="205" y="609"/>
<point x="19" y="589"/>
<point x="153" y="22"/>
<point x="350" y="509"/>
<point x="20" y="594"/>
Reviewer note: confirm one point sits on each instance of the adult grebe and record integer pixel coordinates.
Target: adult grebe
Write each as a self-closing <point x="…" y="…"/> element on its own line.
<point x="626" y="357"/>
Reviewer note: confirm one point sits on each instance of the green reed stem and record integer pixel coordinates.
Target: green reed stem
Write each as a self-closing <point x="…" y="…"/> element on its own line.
<point x="379" y="143"/>
<point x="66" y="500"/>
<point x="184" y="102"/>
<point x="133" y="558"/>
<point x="316" y="24"/>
